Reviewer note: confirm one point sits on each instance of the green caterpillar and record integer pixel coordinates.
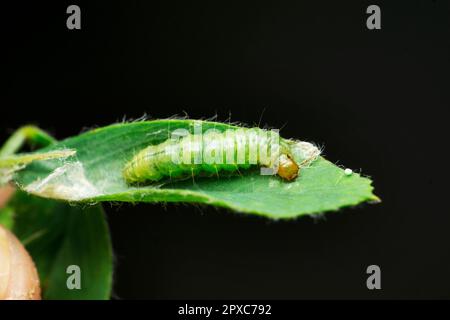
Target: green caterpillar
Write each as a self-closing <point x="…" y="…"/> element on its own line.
<point x="213" y="152"/>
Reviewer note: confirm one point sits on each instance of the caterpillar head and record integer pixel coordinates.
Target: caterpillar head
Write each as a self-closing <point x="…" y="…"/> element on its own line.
<point x="288" y="169"/>
<point x="300" y="154"/>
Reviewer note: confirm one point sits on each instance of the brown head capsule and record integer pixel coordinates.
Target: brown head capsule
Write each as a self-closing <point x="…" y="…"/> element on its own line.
<point x="288" y="169"/>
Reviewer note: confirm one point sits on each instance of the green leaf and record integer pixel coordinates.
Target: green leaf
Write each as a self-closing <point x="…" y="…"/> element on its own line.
<point x="58" y="235"/>
<point x="11" y="164"/>
<point x="95" y="174"/>
<point x="26" y="158"/>
<point x="7" y="217"/>
<point x="26" y="134"/>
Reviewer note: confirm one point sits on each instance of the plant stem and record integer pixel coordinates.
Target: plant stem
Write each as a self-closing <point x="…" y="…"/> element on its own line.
<point x="30" y="134"/>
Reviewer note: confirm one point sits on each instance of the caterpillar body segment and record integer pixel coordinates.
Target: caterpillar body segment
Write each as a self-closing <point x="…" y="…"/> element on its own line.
<point x="214" y="152"/>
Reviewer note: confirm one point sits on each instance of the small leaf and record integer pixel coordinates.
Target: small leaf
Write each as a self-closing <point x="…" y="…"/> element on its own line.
<point x="26" y="134"/>
<point x="95" y="174"/>
<point x="58" y="235"/>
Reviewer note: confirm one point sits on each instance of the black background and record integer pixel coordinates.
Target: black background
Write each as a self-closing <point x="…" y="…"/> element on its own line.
<point x="375" y="99"/>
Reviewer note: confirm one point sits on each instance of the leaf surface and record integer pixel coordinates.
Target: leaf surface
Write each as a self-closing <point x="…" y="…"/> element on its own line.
<point x="94" y="174"/>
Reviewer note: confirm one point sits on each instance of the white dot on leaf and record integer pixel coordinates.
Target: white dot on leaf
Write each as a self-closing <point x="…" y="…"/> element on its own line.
<point x="348" y="171"/>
